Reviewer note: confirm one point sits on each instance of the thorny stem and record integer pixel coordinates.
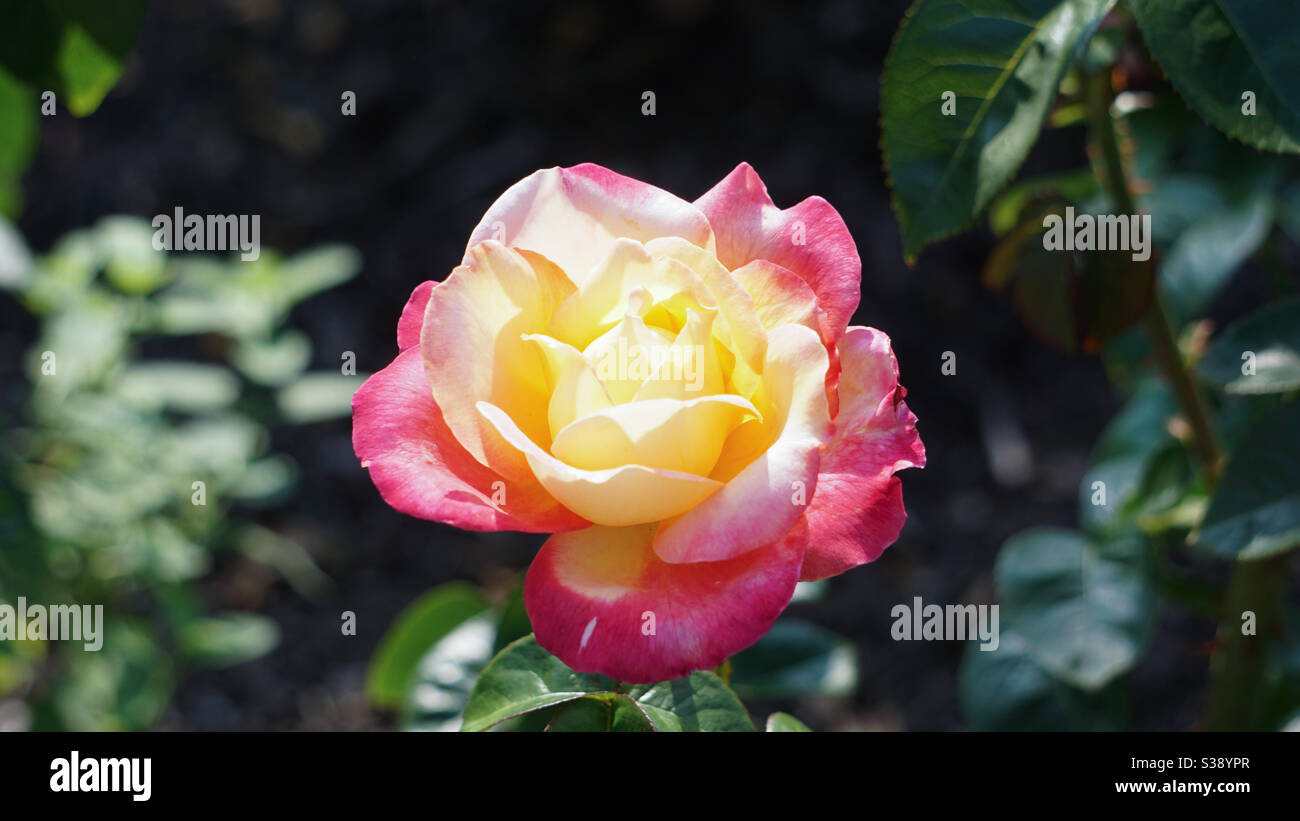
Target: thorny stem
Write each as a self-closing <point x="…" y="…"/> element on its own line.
<point x="1236" y="668"/>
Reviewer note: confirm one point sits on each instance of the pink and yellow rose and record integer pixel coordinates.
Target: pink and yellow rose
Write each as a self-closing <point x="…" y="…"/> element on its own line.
<point x="671" y="389"/>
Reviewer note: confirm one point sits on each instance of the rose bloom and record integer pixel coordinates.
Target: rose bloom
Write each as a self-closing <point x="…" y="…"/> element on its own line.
<point x="669" y="388"/>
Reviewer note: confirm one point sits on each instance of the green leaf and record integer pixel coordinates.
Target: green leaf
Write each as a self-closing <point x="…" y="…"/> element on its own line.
<point x="1203" y="259"/>
<point x="785" y="723"/>
<point x="316" y="270"/>
<point x="1003" y="62"/>
<point x="1272" y="338"/>
<point x="1141" y="425"/>
<point x="514" y="623"/>
<point x="698" y="703"/>
<point x="1103" y="509"/>
<point x="1084" y="608"/>
<point x="274" y="361"/>
<point x="795" y="658"/>
<point x="233" y="638"/>
<point x="74" y="47"/>
<point x="1255" y="510"/>
<point x="179" y="385"/>
<point x="1288" y="211"/>
<point x="416" y="630"/>
<point x="15" y="259"/>
<point x="18" y="138"/>
<point x="1214" y="50"/>
<point x="132" y="264"/>
<point x="445" y="676"/>
<point x="265" y="481"/>
<point x="523" y="678"/>
<point x="1007" y="690"/>
<point x="318" y="396"/>
<point x="587" y="715"/>
<point x="1076" y="186"/>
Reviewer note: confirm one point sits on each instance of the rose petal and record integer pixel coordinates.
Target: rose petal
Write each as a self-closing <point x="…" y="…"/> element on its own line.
<point x="858" y="509"/>
<point x="572" y="215"/>
<point x="621" y="496"/>
<point x="419" y="468"/>
<point x="412" y="319"/>
<point x="690" y="367"/>
<point x="603" y="602"/>
<point x="748" y="226"/>
<point x="765" y="498"/>
<point x="578" y="390"/>
<point x="603" y="298"/>
<point x="685" y="436"/>
<point x="741" y="330"/>
<point x="780" y="296"/>
<point x="474" y="348"/>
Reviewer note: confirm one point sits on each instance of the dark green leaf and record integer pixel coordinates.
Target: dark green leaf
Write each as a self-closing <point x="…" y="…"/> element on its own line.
<point x="795" y="658"/>
<point x="1006" y="689"/>
<point x="1206" y="255"/>
<point x="1003" y="61"/>
<point x="1215" y="50"/>
<point x="1271" y="336"/>
<point x="1255" y="510"/>
<point x="1083" y="608"/>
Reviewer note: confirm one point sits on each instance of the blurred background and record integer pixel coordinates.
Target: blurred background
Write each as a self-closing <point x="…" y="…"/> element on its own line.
<point x="231" y="615"/>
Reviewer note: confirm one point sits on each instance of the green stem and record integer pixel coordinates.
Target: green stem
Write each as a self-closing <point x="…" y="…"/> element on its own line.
<point x="1163" y="341"/>
<point x="1236" y="668"/>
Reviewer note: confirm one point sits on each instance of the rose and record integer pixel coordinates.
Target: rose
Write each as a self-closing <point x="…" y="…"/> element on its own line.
<point x="753" y="444"/>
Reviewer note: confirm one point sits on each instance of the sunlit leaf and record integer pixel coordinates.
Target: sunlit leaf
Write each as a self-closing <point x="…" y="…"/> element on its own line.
<point x="1002" y="62"/>
<point x="522" y="678"/>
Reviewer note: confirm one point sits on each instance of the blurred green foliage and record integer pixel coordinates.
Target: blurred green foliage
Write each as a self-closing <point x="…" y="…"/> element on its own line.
<point x="1201" y="462"/>
<point x="129" y="473"/>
